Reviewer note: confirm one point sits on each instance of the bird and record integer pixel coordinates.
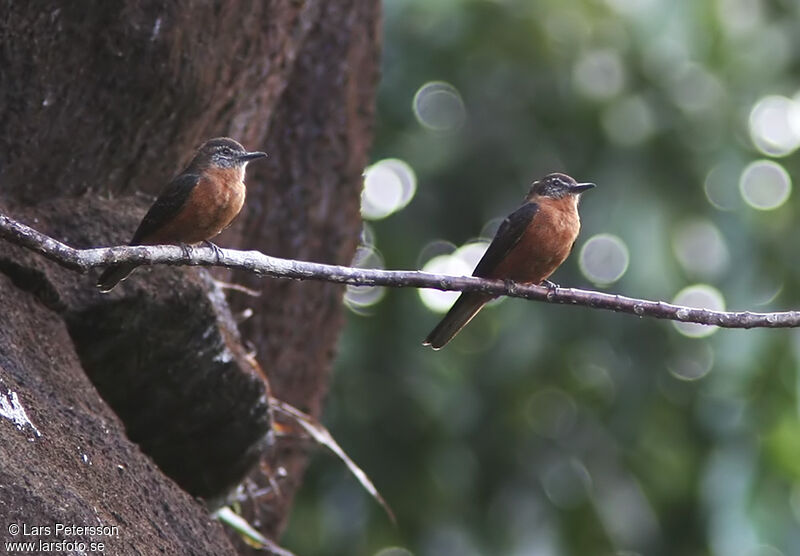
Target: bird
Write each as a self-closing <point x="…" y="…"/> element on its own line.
<point x="530" y="244"/>
<point x="195" y="206"/>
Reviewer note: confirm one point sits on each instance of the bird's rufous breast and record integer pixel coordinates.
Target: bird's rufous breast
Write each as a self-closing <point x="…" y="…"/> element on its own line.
<point x="545" y="244"/>
<point x="212" y="205"/>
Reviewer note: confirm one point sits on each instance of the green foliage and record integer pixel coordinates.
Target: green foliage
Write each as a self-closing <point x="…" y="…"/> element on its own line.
<point x="552" y="430"/>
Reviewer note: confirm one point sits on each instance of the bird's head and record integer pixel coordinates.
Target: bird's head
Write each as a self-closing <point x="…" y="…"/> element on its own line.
<point x="224" y="152"/>
<point x="557" y="186"/>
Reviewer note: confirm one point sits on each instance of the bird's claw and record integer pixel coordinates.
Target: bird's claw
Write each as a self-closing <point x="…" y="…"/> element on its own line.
<point x="552" y="286"/>
<point x="215" y="248"/>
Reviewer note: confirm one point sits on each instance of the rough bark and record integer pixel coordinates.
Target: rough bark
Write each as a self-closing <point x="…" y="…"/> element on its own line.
<point x="101" y="101"/>
<point x="73" y="463"/>
<point x="323" y="131"/>
<point x="163" y="351"/>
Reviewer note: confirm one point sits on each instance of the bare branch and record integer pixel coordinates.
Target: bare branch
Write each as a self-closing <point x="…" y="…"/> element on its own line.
<point x="259" y="263"/>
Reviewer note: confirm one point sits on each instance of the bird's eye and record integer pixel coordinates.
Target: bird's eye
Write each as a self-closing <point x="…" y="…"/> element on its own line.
<point x="227" y="151"/>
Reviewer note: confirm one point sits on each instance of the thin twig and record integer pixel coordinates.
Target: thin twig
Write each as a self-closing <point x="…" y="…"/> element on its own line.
<point x="323" y="437"/>
<point x="237" y="288"/>
<point x="259" y="263"/>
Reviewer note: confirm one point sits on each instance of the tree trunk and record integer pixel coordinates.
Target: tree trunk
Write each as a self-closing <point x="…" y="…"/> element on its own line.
<point x="101" y="101"/>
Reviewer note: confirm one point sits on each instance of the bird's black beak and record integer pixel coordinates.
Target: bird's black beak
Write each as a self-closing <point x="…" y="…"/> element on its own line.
<point x="581" y="187"/>
<point x="246" y="157"/>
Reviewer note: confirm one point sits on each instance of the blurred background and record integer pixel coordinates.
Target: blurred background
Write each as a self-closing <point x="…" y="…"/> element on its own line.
<point x="552" y="430"/>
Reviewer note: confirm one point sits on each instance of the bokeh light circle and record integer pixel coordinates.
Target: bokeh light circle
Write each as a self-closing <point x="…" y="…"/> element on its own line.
<point x="775" y="125"/>
<point x="692" y="364"/>
<point x="438" y="106"/>
<point x="357" y="298"/>
<point x="566" y="483"/>
<point x="434" y="249"/>
<point x="700" y="248"/>
<point x="460" y="262"/>
<point x="765" y="185"/>
<point x="394" y="551"/>
<point x="470" y="253"/>
<point x="599" y="74"/>
<point x="698" y="296"/>
<point x="695" y="89"/>
<point x="367" y="236"/>
<point x="489" y="229"/>
<point x="436" y="300"/>
<point x="720" y="186"/>
<point x="389" y="185"/>
<point x="604" y="259"/>
<point x="739" y="17"/>
<point x="629" y="121"/>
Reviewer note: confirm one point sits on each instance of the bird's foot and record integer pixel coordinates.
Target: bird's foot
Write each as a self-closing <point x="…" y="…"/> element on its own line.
<point x="511" y="285"/>
<point x="215" y="248"/>
<point x="552" y="286"/>
<point x="186" y="248"/>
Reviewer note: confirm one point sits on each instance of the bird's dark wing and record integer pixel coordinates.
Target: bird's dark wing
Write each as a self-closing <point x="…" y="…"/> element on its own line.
<point x="507" y="236"/>
<point x="168" y="204"/>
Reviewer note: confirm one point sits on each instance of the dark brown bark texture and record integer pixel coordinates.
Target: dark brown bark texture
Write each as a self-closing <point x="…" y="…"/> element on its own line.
<point x="101" y="104"/>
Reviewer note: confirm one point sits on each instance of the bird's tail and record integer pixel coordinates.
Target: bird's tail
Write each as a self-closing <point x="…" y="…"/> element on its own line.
<point x="113" y="275"/>
<point x="465" y="307"/>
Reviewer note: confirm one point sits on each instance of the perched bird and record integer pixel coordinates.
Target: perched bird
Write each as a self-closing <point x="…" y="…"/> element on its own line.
<point x="528" y="247"/>
<point x="195" y="206"/>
